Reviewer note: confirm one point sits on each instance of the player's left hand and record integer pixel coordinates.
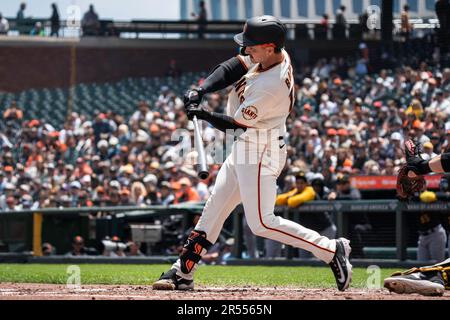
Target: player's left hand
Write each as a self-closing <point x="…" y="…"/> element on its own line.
<point x="193" y="97"/>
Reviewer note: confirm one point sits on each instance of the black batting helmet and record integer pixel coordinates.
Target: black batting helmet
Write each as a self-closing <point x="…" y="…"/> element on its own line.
<point x="262" y="30"/>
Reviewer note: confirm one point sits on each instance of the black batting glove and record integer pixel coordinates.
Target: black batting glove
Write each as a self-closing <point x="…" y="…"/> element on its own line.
<point x="193" y="97"/>
<point x="195" y="110"/>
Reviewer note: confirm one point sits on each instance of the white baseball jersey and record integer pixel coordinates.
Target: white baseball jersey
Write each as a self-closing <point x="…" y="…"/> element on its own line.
<point x="261" y="101"/>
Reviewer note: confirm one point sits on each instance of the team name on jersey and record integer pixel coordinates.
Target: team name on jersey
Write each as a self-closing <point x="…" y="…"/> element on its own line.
<point x="250" y="113"/>
<point x="239" y="87"/>
<point x="289" y="82"/>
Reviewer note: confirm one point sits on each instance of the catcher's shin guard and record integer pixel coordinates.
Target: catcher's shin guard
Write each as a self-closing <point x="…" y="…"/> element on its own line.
<point x="192" y="250"/>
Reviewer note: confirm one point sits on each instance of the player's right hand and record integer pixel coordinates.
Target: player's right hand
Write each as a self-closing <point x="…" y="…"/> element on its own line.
<point x="193" y="97"/>
<point x="196" y="110"/>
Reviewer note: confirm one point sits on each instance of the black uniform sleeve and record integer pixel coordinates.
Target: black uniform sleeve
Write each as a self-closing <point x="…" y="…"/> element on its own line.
<point x="223" y="75"/>
<point x="222" y="122"/>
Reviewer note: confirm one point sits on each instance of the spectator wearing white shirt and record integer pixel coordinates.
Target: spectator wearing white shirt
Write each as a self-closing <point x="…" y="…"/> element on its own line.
<point x="428" y="152"/>
<point x="439" y="104"/>
<point x="4" y="25"/>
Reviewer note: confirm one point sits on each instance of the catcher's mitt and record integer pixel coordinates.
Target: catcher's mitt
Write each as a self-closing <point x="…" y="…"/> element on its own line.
<point x="408" y="184"/>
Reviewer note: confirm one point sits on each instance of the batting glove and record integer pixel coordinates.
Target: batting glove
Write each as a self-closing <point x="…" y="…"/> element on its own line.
<point x="193" y="97"/>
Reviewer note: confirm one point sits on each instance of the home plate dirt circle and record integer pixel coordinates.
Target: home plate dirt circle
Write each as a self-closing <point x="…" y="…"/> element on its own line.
<point x="32" y="291"/>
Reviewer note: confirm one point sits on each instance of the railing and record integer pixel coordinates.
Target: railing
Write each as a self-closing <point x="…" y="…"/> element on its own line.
<point x="341" y="210"/>
<point x="304" y="28"/>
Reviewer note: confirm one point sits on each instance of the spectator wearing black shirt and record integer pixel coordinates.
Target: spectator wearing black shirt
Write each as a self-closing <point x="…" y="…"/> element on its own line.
<point x="54" y="21"/>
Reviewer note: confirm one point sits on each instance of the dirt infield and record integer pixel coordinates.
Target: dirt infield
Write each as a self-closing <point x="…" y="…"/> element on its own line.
<point x="16" y="291"/>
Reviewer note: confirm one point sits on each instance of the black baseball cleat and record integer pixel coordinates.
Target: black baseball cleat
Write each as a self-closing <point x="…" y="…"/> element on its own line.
<point x="340" y="264"/>
<point x="171" y="281"/>
<point x="427" y="284"/>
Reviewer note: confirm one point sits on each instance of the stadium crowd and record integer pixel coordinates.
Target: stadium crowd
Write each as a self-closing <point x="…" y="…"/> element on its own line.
<point x="347" y="120"/>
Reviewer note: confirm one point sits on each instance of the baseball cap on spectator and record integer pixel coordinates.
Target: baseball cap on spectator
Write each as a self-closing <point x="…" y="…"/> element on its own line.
<point x="123" y="128"/>
<point x="115" y="184"/>
<point x="347" y="163"/>
<point x="27" y="199"/>
<point x="113" y="141"/>
<point x="154" y="128"/>
<point x="424" y="75"/>
<point x="75" y="184"/>
<point x="314" y="132"/>
<point x="128" y="168"/>
<point x="175" y="185"/>
<point x="377" y="104"/>
<point x="65" y="199"/>
<point x="428" y="144"/>
<point x="331" y="132"/>
<point x="150" y="178"/>
<point x="96" y="158"/>
<point x="142" y="136"/>
<point x="69" y="167"/>
<point x="169" y="165"/>
<point x="324" y="97"/>
<point x="342" y="132"/>
<point x="337" y="81"/>
<point x="185" y="182"/>
<point x="86" y="179"/>
<point x="166" y="184"/>
<point x="309" y="176"/>
<point x="102" y="144"/>
<point x="316" y="179"/>
<point x="9" y="186"/>
<point x="307" y="106"/>
<point x="100" y="189"/>
<point x="33" y="123"/>
<point x="154" y="165"/>
<point x="307" y="81"/>
<point x="417" y="124"/>
<point x="25" y="187"/>
<point x="125" y="192"/>
<point x="396" y="136"/>
<point x="8" y="169"/>
<point x="123" y="149"/>
<point x="46" y="186"/>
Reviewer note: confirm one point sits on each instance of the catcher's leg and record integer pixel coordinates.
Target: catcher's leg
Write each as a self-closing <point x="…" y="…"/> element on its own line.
<point x="423" y="253"/>
<point x="437" y="244"/>
<point x="429" y="280"/>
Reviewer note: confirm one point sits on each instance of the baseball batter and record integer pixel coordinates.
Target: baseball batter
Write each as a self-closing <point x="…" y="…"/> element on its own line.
<point x="258" y="106"/>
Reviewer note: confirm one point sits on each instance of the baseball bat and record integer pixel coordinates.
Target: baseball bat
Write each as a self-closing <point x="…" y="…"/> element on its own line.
<point x="202" y="171"/>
